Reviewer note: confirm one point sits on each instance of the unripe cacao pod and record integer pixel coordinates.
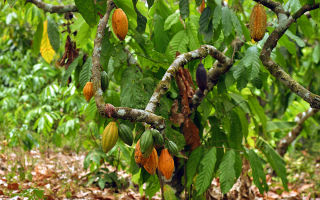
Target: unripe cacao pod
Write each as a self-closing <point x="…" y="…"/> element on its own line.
<point x="258" y="22"/>
<point x="172" y="147"/>
<point x="166" y="164"/>
<point x="104" y="80"/>
<point x="125" y="134"/>
<point x="109" y="136"/>
<point x="157" y="137"/>
<point x="120" y="23"/>
<point x="88" y="91"/>
<point x="201" y="77"/>
<point x="138" y="157"/>
<point x="151" y="163"/>
<point x="146" y="143"/>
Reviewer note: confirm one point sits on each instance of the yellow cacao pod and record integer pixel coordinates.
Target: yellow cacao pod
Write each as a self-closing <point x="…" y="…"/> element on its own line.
<point x="258" y="22"/>
<point x="109" y="136"/>
<point x="88" y="91"/>
<point x="120" y="23"/>
<point x="151" y="162"/>
<point x="166" y="164"/>
<point x="138" y="157"/>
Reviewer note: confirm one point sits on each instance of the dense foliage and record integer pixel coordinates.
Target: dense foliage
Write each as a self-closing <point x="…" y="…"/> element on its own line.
<point x="46" y="60"/>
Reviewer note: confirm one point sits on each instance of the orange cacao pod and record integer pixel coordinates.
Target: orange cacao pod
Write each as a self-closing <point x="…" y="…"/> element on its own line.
<point x="151" y="162"/>
<point x="120" y="23"/>
<point x="138" y="157"/>
<point x="202" y="6"/>
<point x="166" y="164"/>
<point x="88" y="91"/>
<point x="258" y="22"/>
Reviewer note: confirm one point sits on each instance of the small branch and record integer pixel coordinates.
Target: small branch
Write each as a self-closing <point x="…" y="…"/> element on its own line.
<point x="275" y="69"/>
<point x="181" y="60"/>
<point x="284" y="143"/>
<point x="53" y="8"/>
<point x="276" y="7"/>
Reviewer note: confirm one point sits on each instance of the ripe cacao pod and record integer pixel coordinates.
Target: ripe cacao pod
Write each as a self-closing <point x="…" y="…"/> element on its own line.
<point x="109" y="136"/>
<point x="138" y="157"/>
<point x="201" y="77"/>
<point x="151" y="162"/>
<point x="202" y="6"/>
<point x="125" y="134"/>
<point x="166" y="164"/>
<point x="88" y="91"/>
<point x="258" y="22"/>
<point x="120" y="23"/>
<point x="104" y="80"/>
<point x="157" y="137"/>
<point x="146" y="143"/>
<point x="172" y="147"/>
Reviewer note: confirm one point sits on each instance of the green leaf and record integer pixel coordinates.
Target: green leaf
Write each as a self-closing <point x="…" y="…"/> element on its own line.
<point x="152" y="186"/>
<point x="141" y="20"/>
<point x="171" y="20"/>
<point x="236" y="23"/>
<point x="11" y="2"/>
<point x="252" y="60"/>
<point x="316" y="54"/>
<point x="91" y="110"/>
<point x="192" y="164"/>
<point x="87" y="10"/>
<point x="184" y="8"/>
<point x="235" y="135"/>
<point x="168" y="193"/>
<point x="227" y="173"/>
<point x="226" y="21"/>
<point x="305" y="26"/>
<point x="217" y="17"/>
<point x="83" y="33"/>
<point x="85" y="73"/>
<point x="192" y="31"/>
<point x="279" y="126"/>
<point x="160" y="38"/>
<point x="276" y="162"/>
<point x="298" y="40"/>
<point x="69" y="71"/>
<point x="206" y="170"/>
<point x="205" y="20"/>
<point x="37" y="38"/>
<point x="258" y="111"/>
<point x="150" y="3"/>
<point x="244" y="121"/>
<point x="107" y="49"/>
<point x="53" y="34"/>
<point x="179" y="42"/>
<point x="259" y="177"/>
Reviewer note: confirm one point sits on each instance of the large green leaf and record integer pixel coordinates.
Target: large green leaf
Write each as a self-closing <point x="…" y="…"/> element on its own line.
<point x="88" y="11"/>
<point x="227" y="173"/>
<point x="85" y="73"/>
<point x="193" y="163"/>
<point x="160" y="37"/>
<point x="171" y="20"/>
<point x="207" y="165"/>
<point x="184" y="8"/>
<point x="235" y="136"/>
<point x="69" y="71"/>
<point x="226" y="21"/>
<point x="179" y="42"/>
<point x="258" y="111"/>
<point x="53" y="34"/>
<point x="276" y="162"/>
<point x="141" y="20"/>
<point x="37" y="38"/>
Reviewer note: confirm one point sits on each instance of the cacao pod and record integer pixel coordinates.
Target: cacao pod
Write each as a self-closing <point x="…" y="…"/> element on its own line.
<point x="120" y="23"/>
<point x="157" y="137"/>
<point x="125" y="134"/>
<point x="202" y="6"/>
<point x="104" y="80"/>
<point x="146" y="143"/>
<point x="166" y="164"/>
<point x="172" y="147"/>
<point x="201" y="77"/>
<point x="109" y="136"/>
<point x="258" y="22"/>
<point x="138" y="157"/>
<point x="88" y="91"/>
<point x="151" y="163"/>
<point x="139" y="129"/>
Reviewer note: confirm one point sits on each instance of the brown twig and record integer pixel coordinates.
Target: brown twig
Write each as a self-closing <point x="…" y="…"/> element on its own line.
<point x="53" y="8"/>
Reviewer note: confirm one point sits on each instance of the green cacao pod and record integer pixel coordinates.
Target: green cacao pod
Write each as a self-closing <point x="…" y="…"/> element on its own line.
<point x="172" y="147"/>
<point x="104" y="80"/>
<point x="146" y="143"/>
<point x="157" y="137"/>
<point x="109" y="136"/>
<point x="125" y="134"/>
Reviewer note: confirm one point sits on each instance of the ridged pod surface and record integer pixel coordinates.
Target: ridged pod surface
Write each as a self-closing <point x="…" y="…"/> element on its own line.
<point x="146" y="143"/>
<point x="109" y="136"/>
<point x="258" y="22"/>
<point x="125" y="134"/>
<point x="104" y="80"/>
<point x="120" y="23"/>
<point x="166" y="164"/>
<point x="151" y="162"/>
<point x="88" y="91"/>
<point x="138" y="157"/>
<point x="172" y="147"/>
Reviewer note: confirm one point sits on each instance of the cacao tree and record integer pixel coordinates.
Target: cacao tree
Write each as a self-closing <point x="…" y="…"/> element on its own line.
<point x="190" y="87"/>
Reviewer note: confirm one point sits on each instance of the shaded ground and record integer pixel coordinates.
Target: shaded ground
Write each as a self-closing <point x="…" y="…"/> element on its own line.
<point x="60" y="175"/>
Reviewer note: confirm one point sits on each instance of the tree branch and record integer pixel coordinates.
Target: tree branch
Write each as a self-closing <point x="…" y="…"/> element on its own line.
<point x="181" y="60"/>
<point x="275" y="69"/>
<point x="276" y="7"/>
<point x="53" y="8"/>
<point x="284" y="143"/>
